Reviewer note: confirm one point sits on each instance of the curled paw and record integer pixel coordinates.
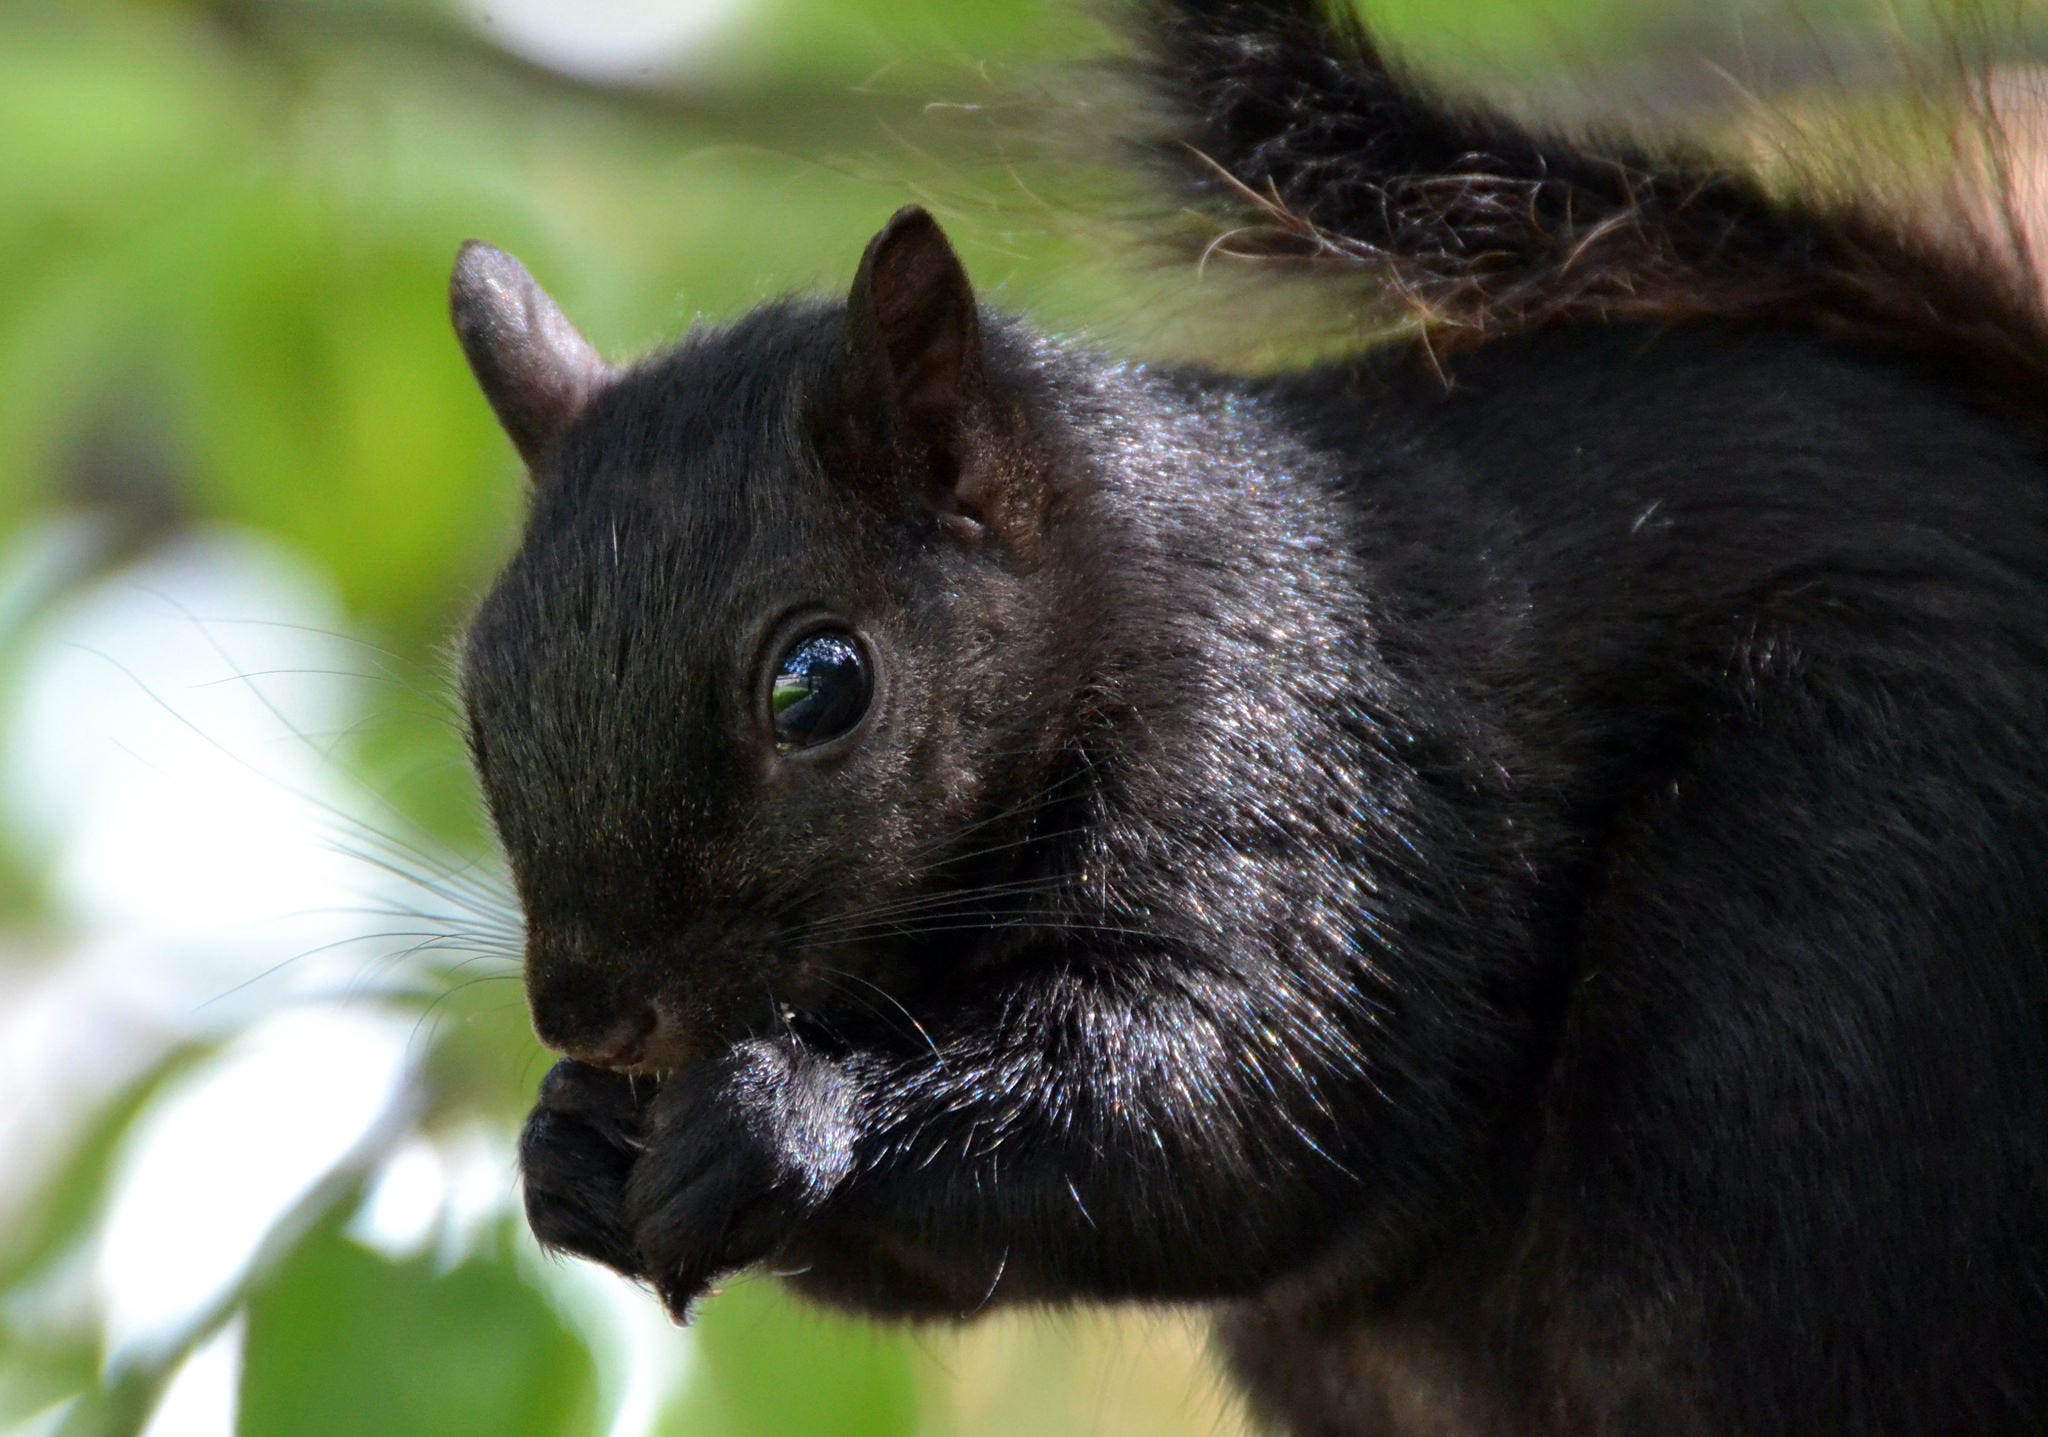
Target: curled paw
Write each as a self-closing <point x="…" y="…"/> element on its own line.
<point x="738" y="1155"/>
<point x="577" y="1153"/>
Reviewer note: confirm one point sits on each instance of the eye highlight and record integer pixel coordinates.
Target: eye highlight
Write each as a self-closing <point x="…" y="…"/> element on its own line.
<point x="820" y="690"/>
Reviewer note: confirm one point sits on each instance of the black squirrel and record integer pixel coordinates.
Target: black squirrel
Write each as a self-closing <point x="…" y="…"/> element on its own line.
<point x="1514" y="865"/>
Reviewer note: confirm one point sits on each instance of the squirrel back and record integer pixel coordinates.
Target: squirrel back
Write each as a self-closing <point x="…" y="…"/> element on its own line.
<point x="1510" y="864"/>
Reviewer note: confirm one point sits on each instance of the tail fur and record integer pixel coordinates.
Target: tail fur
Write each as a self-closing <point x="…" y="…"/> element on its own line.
<point x="1281" y="122"/>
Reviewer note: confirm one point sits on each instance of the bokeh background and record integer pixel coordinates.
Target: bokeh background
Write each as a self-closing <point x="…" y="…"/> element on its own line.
<point x="262" y="1046"/>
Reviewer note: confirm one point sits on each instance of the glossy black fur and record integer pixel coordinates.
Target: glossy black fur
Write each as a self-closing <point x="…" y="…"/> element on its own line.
<point x="1520" y="876"/>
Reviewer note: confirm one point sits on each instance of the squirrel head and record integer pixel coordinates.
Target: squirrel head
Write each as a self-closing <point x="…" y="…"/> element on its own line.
<point x="784" y="659"/>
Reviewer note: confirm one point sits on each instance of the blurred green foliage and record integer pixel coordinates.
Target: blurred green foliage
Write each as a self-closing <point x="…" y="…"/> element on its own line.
<point x="341" y="1343"/>
<point x="225" y="229"/>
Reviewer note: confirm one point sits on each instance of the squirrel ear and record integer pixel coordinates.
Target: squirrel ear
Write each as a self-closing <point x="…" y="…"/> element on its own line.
<point x="538" y="373"/>
<point x="914" y="341"/>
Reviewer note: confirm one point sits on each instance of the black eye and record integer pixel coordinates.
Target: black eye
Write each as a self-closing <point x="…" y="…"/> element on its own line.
<point x="820" y="691"/>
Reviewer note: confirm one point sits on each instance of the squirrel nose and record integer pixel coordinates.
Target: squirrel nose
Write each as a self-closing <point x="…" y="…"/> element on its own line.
<point x="645" y="1038"/>
<point x="623" y="1046"/>
<point x="594" y="1024"/>
<point x="604" y="1013"/>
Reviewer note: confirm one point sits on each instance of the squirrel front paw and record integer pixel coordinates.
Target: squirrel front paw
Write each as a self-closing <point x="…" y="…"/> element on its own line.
<point x="738" y="1155"/>
<point x="576" y="1153"/>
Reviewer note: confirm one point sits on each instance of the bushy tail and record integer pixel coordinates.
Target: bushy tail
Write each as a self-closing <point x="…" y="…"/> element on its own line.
<point x="1280" y="121"/>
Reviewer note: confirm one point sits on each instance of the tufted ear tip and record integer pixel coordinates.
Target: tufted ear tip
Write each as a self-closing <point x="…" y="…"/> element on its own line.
<point x="480" y="270"/>
<point x="913" y="334"/>
<point x="538" y="372"/>
<point x="472" y="258"/>
<point x="911" y="224"/>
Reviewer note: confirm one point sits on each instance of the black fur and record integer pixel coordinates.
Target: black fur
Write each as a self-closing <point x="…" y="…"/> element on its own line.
<point x="1518" y="874"/>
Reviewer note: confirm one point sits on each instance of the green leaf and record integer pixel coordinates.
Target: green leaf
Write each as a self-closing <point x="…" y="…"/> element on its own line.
<point x="774" y="1368"/>
<point x="341" y="1343"/>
